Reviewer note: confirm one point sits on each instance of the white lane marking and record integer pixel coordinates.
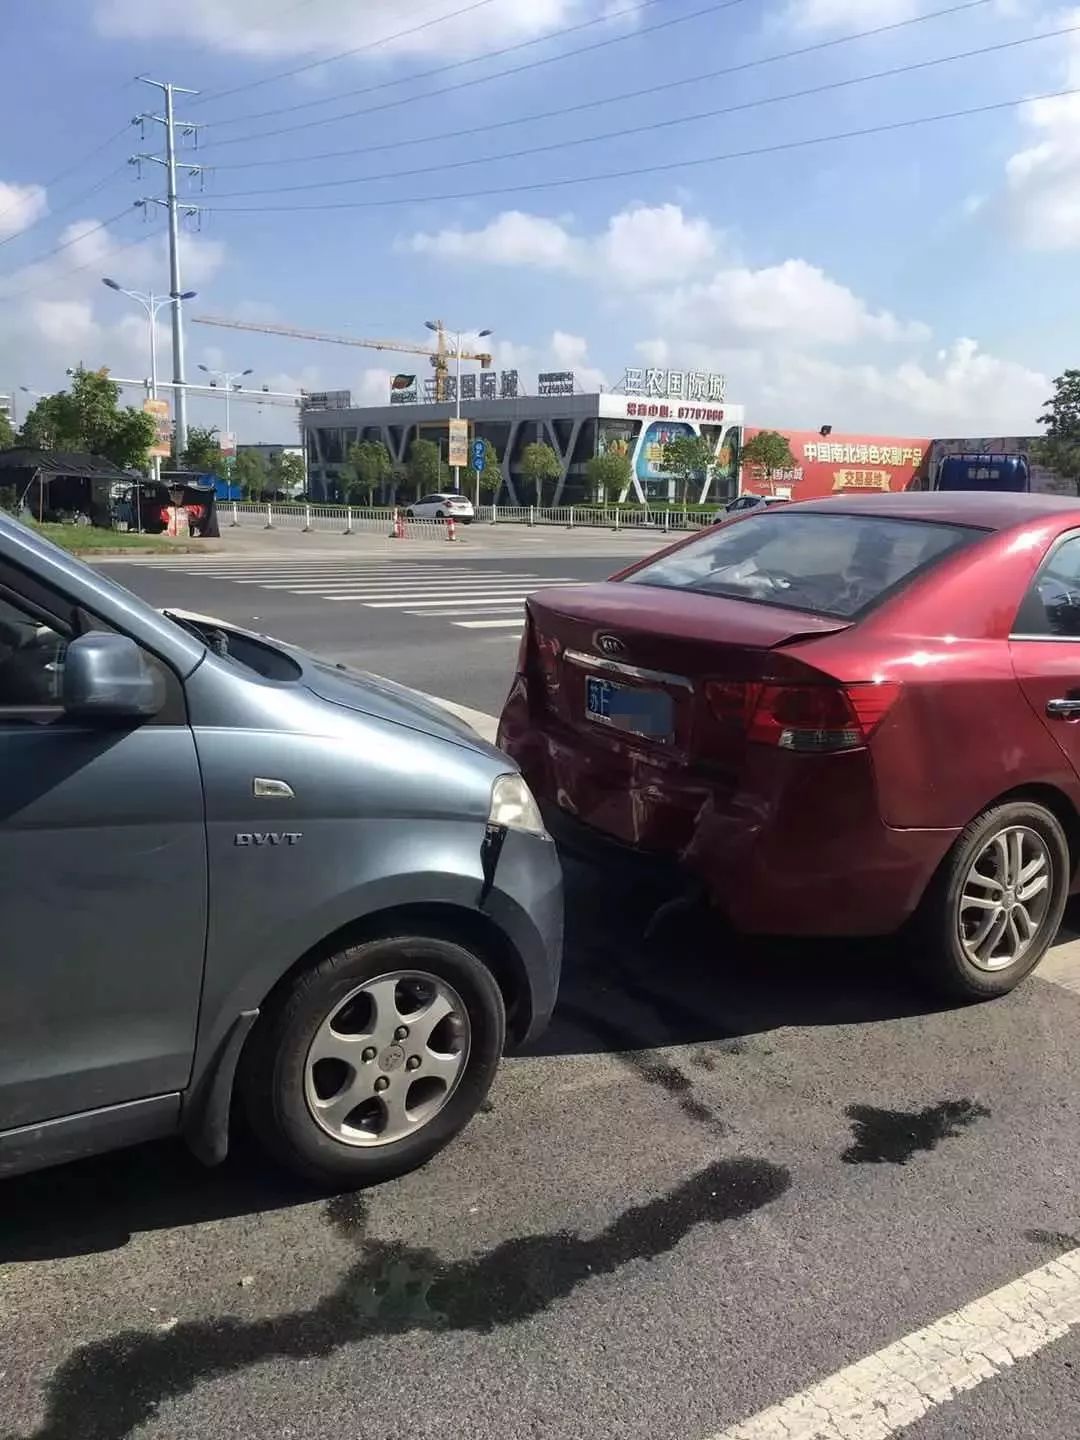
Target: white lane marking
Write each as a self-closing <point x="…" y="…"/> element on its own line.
<point x="429" y="597"/>
<point x="517" y="623"/>
<point x="427" y="604"/>
<point x="254" y="577"/>
<point x="485" y="725"/>
<point x="492" y="609"/>
<point x="891" y="1389"/>
<point x="397" y="587"/>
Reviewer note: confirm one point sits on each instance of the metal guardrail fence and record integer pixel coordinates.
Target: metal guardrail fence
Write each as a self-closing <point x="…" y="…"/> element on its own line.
<point x="353" y="519"/>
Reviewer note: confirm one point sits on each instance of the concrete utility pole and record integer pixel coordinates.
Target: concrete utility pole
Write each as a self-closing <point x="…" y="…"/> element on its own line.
<point x="173" y="204"/>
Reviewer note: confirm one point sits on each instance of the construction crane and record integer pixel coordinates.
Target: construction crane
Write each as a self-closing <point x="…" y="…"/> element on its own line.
<point x="439" y="357"/>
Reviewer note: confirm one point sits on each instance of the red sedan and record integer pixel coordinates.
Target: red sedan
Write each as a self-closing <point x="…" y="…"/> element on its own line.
<point x="843" y="718"/>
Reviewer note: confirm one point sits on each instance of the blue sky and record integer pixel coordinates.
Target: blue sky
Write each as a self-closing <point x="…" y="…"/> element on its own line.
<point x="919" y="281"/>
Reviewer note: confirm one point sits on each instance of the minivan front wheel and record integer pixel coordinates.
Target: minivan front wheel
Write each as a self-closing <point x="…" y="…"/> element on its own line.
<point x="996" y="905"/>
<point x="374" y="1059"/>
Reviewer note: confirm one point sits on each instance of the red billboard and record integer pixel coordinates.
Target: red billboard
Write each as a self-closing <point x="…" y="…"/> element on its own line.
<point x="834" y="464"/>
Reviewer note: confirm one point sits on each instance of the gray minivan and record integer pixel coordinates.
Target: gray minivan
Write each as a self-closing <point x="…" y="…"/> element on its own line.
<point x="237" y="880"/>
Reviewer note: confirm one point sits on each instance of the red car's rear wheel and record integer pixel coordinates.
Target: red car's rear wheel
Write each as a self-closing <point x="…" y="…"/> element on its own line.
<point x="996" y="904"/>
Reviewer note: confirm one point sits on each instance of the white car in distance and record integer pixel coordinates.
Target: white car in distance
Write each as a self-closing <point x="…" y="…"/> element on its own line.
<point x="443" y="506"/>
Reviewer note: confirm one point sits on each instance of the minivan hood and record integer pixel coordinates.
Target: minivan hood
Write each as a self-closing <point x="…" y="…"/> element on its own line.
<point x="362" y="691"/>
<point x="374" y="695"/>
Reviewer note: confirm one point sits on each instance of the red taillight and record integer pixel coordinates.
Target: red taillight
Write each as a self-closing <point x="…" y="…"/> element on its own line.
<point x="816" y="718"/>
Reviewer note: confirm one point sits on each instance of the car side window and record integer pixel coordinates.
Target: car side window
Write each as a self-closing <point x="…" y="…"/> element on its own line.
<point x="31" y="664"/>
<point x="36" y="624"/>
<point x="1051" y="607"/>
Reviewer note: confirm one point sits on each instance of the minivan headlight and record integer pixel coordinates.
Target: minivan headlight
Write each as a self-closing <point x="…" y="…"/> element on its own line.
<point x="513" y="806"/>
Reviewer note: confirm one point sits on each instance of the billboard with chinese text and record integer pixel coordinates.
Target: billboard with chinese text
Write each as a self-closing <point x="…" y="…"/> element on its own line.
<point x="834" y="464"/>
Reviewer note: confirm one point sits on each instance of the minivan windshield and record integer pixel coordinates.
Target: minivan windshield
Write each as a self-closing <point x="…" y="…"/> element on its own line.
<point x="835" y="565"/>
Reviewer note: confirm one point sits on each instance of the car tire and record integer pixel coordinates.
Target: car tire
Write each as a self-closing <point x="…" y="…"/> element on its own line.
<point x="440" y="514"/>
<point x="965" y="894"/>
<point x="283" y="1087"/>
<point x="409" y="515"/>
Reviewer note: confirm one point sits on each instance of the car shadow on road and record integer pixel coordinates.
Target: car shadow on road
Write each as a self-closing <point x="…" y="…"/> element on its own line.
<point x="694" y="981"/>
<point x="94" y="1206"/>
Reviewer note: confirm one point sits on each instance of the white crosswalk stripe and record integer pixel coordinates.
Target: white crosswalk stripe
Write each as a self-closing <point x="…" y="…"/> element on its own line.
<point x="470" y="597"/>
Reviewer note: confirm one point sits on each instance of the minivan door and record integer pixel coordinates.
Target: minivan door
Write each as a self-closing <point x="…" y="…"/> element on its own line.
<point x="103" y="883"/>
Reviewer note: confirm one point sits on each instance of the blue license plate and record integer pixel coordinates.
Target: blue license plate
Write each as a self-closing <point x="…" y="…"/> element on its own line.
<point x="638" y="712"/>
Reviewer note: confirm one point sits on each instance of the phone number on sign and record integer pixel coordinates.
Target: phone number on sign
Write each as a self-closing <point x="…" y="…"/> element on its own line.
<point x="673" y="412"/>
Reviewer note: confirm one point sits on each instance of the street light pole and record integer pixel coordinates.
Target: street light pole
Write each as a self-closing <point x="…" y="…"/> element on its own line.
<point x="228" y="379"/>
<point x="152" y="303"/>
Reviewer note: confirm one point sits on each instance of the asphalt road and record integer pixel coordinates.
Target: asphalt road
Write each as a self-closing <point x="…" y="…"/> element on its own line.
<point x="423" y="647"/>
<point x="726" y="1172"/>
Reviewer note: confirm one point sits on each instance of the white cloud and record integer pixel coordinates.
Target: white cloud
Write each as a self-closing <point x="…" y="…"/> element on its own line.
<point x="642" y="246"/>
<point x="1043" y="178"/>
<point x="793" y="299"/>
<point x="512" y="238"/>
<point x="570" y="352"/>
<point x="961" y="390"/>
<point x="648" y="243"/>
<point x="265" y="28"/>
<point x="20" y="206"/>
<point x="56" y="313"/>
<point x="678" y="262"/>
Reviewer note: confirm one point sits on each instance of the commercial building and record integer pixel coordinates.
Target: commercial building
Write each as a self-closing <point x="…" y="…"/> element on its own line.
<point x="651" y="408"/>
<point x="637" y="419"/>
<point x="827" y="464"/>
<point x="7" y="407"/>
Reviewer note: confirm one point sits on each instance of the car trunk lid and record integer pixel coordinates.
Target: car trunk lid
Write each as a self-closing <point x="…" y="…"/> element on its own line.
<point x="617" y="643"/>
<point x="650" y="653"/>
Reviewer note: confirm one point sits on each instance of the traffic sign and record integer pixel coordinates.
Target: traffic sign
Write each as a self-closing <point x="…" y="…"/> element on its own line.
<point x="478" y="454"/>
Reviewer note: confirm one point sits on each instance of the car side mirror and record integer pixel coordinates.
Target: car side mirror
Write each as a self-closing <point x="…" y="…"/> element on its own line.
<point x="107" y="677"/>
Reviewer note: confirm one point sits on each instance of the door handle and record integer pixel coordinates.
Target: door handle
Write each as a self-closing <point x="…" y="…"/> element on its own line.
<point x="1063" y="709"/>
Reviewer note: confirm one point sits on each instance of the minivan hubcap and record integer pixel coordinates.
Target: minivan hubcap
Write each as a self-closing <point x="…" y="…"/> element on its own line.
<point x="1005" y="898"/>
<point x="387" y="1058"/>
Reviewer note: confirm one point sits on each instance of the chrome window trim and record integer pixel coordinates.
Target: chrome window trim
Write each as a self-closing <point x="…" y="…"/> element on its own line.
<point x="633" y="672"/>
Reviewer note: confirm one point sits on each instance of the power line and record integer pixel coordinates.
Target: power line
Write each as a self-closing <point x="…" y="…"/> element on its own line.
<point x="484" y="79"/>
<point x="63" y="274"/>
<point x="76" y="165"/>
<point x="639" y="170"/>
<point x="341" y="55"/>
<point x="451" y="65"/>
<point x="762" y="101"/>
<point x="665" y="85"/>
<point x="67" y="205"/>
<point x="48" y="254"/>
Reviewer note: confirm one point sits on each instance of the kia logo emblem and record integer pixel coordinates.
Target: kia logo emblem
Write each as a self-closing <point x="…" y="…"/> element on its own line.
<point x="610" y="645"/>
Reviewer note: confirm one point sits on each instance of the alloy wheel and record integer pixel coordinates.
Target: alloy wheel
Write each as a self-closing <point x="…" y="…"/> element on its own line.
<point x="1005" y="898"/>
<point x="387" y="1059"/>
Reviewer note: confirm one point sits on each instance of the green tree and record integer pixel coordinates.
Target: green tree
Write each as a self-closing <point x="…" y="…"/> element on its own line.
<point x="88" y="418"/>
<point x="203" y="453"/>
<point x="689" y="458"/>
<point x="370" y="464"/>
<point x="7" y="434"/>
<point x="539" y="463"/>
<point x="424" y="466"/>
<point x="250" y="473"/>
<point x="1059" y="449"/>
<point x="607" y="475"/>
<point x="770" y="453"/>
<point x="288" y="473"/>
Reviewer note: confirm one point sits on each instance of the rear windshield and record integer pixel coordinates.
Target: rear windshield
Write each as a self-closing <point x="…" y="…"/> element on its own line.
<point x="827" y="564"/>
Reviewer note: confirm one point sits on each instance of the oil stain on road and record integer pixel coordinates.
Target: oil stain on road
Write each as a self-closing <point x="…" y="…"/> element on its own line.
<point x="892" y="1137"/>
<point x="107" y="1389"/>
